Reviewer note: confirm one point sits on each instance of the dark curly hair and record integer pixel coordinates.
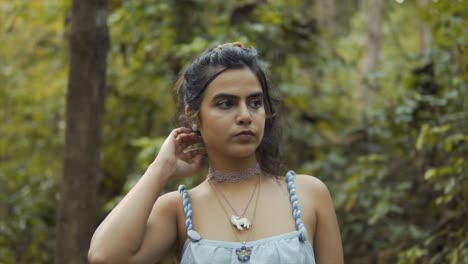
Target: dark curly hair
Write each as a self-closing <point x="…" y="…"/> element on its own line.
<point x="192" y="83"/>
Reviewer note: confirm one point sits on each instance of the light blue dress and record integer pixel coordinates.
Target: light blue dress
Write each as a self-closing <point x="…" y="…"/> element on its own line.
<point x="293" y="247"/>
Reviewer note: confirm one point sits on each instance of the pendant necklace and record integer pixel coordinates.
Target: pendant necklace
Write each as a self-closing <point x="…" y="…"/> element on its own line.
<point x="238" y="220"/>
<point x="244" y="252"/>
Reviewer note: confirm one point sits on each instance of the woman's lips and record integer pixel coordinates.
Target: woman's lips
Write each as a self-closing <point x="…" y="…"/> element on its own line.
<point x="245" y="135"/>
<point x="245" y="132"/>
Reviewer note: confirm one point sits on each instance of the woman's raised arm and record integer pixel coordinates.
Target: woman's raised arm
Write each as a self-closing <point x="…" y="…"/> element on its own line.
<point x="142" y="227"/>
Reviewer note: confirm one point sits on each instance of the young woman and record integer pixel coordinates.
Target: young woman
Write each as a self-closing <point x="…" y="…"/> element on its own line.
<point x="244" y="212"/>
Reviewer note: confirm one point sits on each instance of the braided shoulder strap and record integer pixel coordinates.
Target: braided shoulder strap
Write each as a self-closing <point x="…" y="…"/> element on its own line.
<point x="295" y="206"/>
<point x="193" y="235"/>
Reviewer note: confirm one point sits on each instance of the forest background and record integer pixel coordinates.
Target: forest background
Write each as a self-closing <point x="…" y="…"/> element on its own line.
<point x="375" y="93"/>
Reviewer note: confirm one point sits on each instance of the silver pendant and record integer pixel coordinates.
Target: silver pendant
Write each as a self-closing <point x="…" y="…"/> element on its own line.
<point x="240" y="222"/>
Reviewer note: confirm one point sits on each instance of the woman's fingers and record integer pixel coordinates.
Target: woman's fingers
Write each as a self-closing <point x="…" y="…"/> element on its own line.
<point x="185" y="140"/>
<point x="180" y="150"/>
<point x="188" y="155"/>
<point x="191" y="154"/>
<point x="176" y="132"/>
<point x="181" y="130"/>
<point x="189" y="162"/>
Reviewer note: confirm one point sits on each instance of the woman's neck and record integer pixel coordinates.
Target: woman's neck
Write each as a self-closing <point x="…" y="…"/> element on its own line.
<point x="232" y="165"/>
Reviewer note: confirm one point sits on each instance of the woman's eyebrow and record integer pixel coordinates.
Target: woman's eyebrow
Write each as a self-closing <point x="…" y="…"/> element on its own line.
<point x="235" y="97"/>
<point x="224" y="96"/>
<point x="256" y="94"/>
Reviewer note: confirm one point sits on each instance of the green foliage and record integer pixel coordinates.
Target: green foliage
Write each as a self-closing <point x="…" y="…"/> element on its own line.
<point x="33" y="82"/>
<point x="408" y="186"/>
<point x="398" y="179"/>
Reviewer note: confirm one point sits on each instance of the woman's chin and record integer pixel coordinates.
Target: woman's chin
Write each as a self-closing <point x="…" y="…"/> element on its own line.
<point x="238" y="151"/>
<point x="243" y="152"/>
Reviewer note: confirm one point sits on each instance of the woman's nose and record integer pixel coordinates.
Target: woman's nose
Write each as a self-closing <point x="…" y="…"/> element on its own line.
<point x="244" y="116"/>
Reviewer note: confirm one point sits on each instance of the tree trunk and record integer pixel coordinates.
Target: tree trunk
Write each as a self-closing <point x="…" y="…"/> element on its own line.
<point x="425" y="34"/>
<point x="370" y="59"/>
<point x="89" y="41"/>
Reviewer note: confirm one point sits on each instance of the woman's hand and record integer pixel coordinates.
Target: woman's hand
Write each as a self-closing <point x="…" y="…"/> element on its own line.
<point x="174" y="156"/>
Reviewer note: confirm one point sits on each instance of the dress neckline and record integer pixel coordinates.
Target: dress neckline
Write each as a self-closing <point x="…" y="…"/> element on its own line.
<point x="253" y="243"/>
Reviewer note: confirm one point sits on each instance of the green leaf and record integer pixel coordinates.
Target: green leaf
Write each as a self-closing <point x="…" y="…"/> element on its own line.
<point x="429" y="174"/>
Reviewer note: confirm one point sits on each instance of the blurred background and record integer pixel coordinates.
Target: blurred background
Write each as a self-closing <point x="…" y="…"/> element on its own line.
<point x="374" y="91"/>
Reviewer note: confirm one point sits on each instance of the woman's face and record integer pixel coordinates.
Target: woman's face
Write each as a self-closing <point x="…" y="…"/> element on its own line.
<point x="232" y="115"/>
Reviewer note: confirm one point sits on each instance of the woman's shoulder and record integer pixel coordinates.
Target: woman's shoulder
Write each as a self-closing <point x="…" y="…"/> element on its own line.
<point x="170" y="200"/>
<point x="197" y="191"/>
<point x="176" y="197"/>
<point x="311" y="185"/>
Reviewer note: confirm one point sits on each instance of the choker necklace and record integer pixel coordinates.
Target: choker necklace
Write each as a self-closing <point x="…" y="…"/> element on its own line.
<point x="220" y="176"/>
<point x="243" y="253"/>
<point x="238" y="220"/>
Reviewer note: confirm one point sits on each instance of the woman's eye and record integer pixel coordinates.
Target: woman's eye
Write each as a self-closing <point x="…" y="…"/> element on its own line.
<point x="225" y="104"/>
<point x="257" y="103"/>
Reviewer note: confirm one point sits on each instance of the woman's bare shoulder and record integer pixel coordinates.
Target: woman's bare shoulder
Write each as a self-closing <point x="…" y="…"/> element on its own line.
<point x="174" y="199"/>
<point x="311" y="184"/>
<point x="170" y="201"/>
<point x="305" y="182"/>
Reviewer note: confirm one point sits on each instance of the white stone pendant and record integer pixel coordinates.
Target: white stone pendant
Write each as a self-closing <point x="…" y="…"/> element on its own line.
<point x="240" y="222"/>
